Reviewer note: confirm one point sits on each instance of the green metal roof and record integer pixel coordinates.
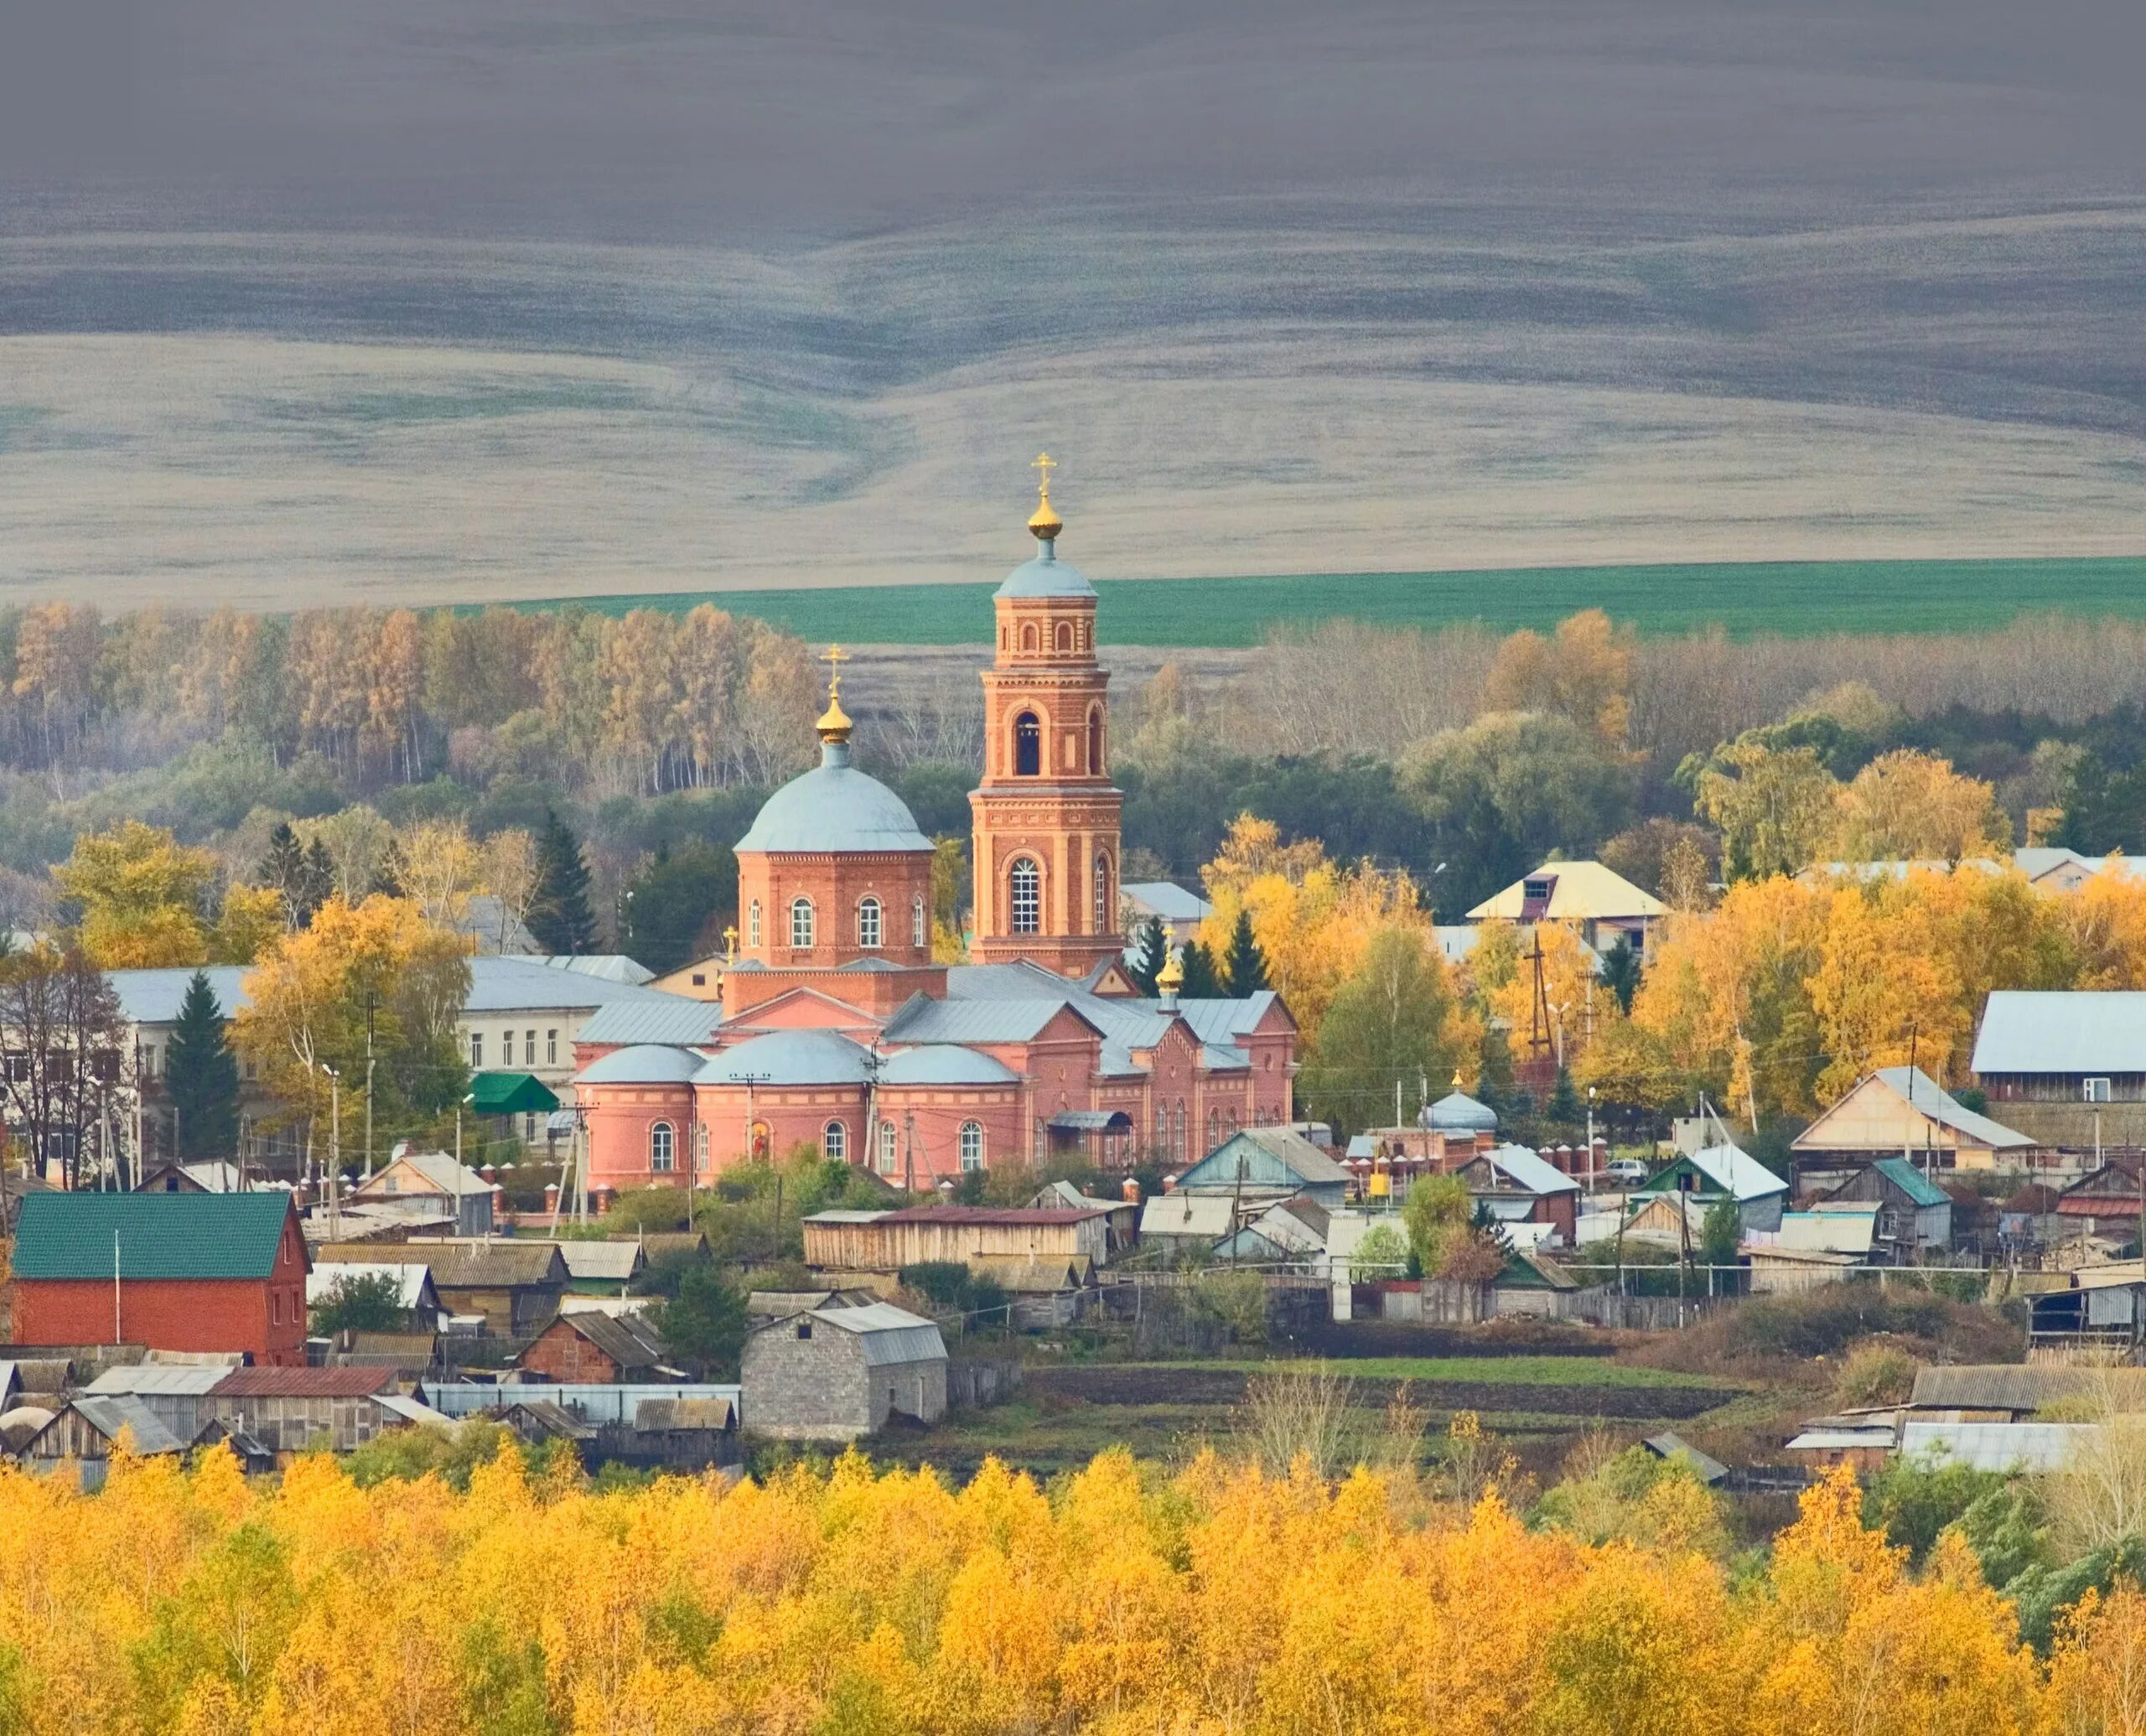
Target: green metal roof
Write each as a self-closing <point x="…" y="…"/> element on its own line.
<point x="160" y="1236"/>
<point x="1911" y="1181"/>
<point x="511" y="1094"/>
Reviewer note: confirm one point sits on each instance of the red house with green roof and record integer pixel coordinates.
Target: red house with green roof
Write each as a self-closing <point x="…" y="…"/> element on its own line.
<point x="175" y="1272"/>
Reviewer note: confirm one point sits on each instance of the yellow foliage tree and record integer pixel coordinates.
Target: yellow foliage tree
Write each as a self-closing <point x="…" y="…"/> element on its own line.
<point x="141" y="895"/>
<point x="1912" y="805"/>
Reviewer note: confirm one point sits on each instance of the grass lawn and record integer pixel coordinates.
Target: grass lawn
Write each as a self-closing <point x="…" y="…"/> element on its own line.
<point x="1519" y="1371"/>
<point x="1793" y="597"/>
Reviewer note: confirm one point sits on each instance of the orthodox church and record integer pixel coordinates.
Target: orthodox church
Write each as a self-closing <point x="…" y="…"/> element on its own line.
<point x="828" y="1023"/>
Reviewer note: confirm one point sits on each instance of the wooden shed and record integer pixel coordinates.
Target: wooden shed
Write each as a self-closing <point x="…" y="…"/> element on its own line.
<point x="888" y="1240"/>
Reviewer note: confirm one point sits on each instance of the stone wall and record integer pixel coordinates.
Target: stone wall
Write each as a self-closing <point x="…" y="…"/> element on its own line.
<point x="805" y="1389"/>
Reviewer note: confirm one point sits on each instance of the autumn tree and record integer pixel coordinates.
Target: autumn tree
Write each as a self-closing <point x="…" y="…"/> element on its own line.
<point x="142" y="896"/>
<point x="373" y="977"/>
<point x="1912" y="805"/>
<point x="62" y="1035"/>
<point x="1775" y="808"/>
<point x="1582" y="672"/>
<point x="1391" y="1022"/>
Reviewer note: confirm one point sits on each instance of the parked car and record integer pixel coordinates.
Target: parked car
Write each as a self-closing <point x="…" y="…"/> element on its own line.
<point x="1625" y="1172"/>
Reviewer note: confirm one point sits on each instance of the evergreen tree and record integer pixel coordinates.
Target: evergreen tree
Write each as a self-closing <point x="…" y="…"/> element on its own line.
<point x="1200" y="983"/>
<point x="1246" y="965"/>
<point x="1563" y="1110"/>
<point x="387" y="878"/>
<point x="317" y="879"/>
<point x="560" y="917"/>
<point x="1493" y="1084"/>
<point x="201" y="1076"/>
<point x="1154" y="953"/>
<point x="1621" y="972"/>
<point x="676" y="906"/>
<point x="282" y="870"/>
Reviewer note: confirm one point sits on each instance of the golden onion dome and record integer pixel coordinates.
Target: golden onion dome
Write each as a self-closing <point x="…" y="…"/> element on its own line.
<point x="1044" y="523"/>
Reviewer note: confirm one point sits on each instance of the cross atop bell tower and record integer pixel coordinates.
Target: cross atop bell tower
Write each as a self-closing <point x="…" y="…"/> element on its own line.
<point x="1046" y="814"/>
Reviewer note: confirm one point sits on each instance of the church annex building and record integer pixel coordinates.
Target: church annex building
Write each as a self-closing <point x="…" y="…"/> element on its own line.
<point x="832" y="1026"/>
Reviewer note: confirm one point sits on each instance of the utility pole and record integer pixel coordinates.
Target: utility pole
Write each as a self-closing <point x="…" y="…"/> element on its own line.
<point x="1590" y="1139"/>
<point x="334" y="1149"/>
<point x="116" y="1337"/>
<point x="368" y="1065"/>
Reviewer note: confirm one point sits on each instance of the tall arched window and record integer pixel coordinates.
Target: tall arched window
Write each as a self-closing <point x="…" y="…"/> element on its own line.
<point x="971" y="1147"/>
<point x="1095" y="740"/>
<point x="1027" y="745"/>
<point x="801" y="922"/>
<point x="920" y="933"/>
<point x="1214" y="1128"/>
<point x="1029" y="637"/>
<point x="753" y="924"/>
<point x="1177" y="1131"/>
<point x="1025" y="883"/>
<point x="1106" y="916"/>
<point x="1162" y="1130"/>
<point x="886" y="1147"/>
<point x="1065" y="636"/>
<point x="868" y="925"/>
<point x="662" y="1148"/>
<point x="834" y="1142"/>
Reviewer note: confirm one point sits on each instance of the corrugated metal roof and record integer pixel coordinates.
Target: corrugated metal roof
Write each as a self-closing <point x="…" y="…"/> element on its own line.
<point x="2024" y="1386"/>
<point x="1188" y="1215"/>
<point x="1526" y="1170"/>
<point x="2062" y="1031"/>
<point x="1999" y="1446"/>
<point x="154" y="997"/>
<point x="610" y="966"/>
<point x="1924" y="1093"/>
<point x="889" y="1333"/>
<point x="1832" y="1232"/>
<point x="157" y="1236"/>
<point x="143" y="1377"/>
<point x="1732" y="1171"/>
<point x="512" y="985"/>
<point x="972" y="1021"/>
<point x="1841" y="1440"/>
<point x="676" y="1018"/>
<point x="602" y="1261"/>
<point x="463" y="1266"/>
<point x="411" y="1410"/>
<point x="1168" y="899"/>
<point x="304" y="1382"/>
<point x="108" y="1415"/>
<point x="1585" y="891"/>
<point x="627" y="1339"/>
<point x="409" y="1279"/>
<point x="1671" y="1446"/>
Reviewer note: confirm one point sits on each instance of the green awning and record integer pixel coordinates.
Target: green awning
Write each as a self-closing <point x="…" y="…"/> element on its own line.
<point x="510" y="1094"/>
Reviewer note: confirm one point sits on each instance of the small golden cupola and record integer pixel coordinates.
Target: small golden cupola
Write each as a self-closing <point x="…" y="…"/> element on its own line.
<point x="1043" y="523"/>
<point x="834" y="725"/>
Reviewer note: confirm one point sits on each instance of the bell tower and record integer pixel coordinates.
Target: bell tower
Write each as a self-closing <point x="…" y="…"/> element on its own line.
<point x="1046" y="814"/>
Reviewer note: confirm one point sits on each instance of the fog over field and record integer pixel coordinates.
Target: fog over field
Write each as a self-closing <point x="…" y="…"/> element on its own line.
<point x="302" y="302"/>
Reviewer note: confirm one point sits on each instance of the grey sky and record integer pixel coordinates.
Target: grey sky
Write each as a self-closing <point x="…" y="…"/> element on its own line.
<point x="627" y="120"/>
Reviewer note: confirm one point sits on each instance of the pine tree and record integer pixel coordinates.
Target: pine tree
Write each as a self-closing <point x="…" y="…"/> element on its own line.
<point x="201" y="1076"/>
<point x="282" y="870"/>
<point x="1201" y="982"/>
<point x="1563" y="1109"/>
<point x="1154" y="954"/>
<point x="1621" y="972"/>
<point x="387" y="878"/>
<point x="1246" y="965"/>
<point x="560" y="917"/>
<point x="317" y="879"/>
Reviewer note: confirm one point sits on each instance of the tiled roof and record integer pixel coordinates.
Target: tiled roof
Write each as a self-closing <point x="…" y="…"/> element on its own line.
<point x="151" y="1236"/>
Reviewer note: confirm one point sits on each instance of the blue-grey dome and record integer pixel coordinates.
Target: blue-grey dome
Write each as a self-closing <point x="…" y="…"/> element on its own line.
<point x="835" y="807"/>
<point x="943" y="1064"/>
<point x="1046" y="576"/>
<point x="642" y="1064"/>
<point x="789" y="1057"/>
<point x="1460" y="1113"/>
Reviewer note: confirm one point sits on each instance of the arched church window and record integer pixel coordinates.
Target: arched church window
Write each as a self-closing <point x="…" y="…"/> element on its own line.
<point x="753" y="924"/>
<point x="1025" y="883"/>
<point x="919" y="934"/>
<point x="1095" y="740"/>
<point x="1177" y="1131"/>
<point x="1027" y="745"/>
<point x="662" y="1148"/>
<point x="1065" y="635"/>
<point x="834" y="1142"/>
<point x="868" y="924"/>
<point x="1214" y="1128"/>
<point x="886" y="1147"/>
<point x="801" y="922"/>
<point x="1106" y="917"/>
<point x="1029" y="637"/>
<point x="971" y="1147"/>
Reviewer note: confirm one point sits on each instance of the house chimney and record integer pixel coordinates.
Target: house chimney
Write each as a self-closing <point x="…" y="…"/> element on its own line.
<point x="1131" y="1191"/>
<point x="1170" y="1185"/>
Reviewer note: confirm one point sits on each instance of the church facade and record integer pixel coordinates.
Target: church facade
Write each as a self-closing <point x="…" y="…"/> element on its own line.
<point x="830" y="1025"/>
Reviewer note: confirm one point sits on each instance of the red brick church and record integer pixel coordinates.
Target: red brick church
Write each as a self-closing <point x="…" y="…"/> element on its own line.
<point x="832" y="1026"/>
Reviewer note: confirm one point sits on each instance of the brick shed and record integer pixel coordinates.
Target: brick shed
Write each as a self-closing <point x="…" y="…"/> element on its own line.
<point x="835" y="1374"/>
<point x="596" y="1350"/>
<point x="175" y="1272"/>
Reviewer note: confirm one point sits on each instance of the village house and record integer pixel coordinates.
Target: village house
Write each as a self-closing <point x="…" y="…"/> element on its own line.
<point x="2107" y="1201"/>
<point x="1913" y="1215"/>
<point x="515" y="1286"/>
<point x="1717" y="1172"/>
<point x="1899" y="1111"/>
<point x="1266" y="1164"/>
<point x="837" y="1374"/>
<point x="415" y="1297"/>
<point x="596" y="1349"/>
<point x="2067" y="1066"/>
<point x="1179" y="910"/>
<point x="175" y="1272"/>
<point x="885" y="1241"/>
<point x="1597" y="903"/>
<point x="429" y="1185"/>
<point x="1515" y="1186"/>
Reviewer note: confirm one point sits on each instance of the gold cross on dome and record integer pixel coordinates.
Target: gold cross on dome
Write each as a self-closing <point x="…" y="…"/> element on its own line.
<point x="730" y="942"/>
<point x="834" y="657"/>
<point x="1042" y="465"/>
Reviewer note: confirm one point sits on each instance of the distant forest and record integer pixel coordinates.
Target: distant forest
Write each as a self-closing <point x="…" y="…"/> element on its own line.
<point x="1462" y="756"/>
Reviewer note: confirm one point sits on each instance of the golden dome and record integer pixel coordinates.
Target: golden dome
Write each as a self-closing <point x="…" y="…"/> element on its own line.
<point x="834" y="724"/>
<point x="1043" y="523"/>
<point x="1171" y="977"/>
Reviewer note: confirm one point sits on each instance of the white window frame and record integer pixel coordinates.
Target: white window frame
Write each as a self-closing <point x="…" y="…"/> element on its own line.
<point x="890" y="1147"/>
<point x="663" y="1149"/>
<point x="1016" y="922"/>
<point x="551" y="1049"/>
<point x="834" y="1141"/>
<point x="972" y="1145"/>
<point x="871" y="924"/>
<point x="753" y="924"/>
<point x="920" y="932"/>
<point x="2096" y="1089"/>
<point x="1103" y="924"/>
<point x="802" y="921"/>
<point x="476" y="1051"/>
